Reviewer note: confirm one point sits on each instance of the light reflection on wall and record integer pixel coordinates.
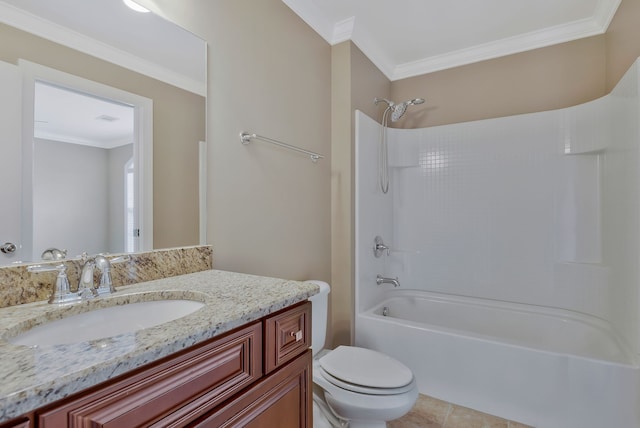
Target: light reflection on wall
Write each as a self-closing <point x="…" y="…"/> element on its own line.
<point x="430" y="160"/>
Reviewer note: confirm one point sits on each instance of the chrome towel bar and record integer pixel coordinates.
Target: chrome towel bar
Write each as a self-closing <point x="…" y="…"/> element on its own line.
<point x="246" y="138"/>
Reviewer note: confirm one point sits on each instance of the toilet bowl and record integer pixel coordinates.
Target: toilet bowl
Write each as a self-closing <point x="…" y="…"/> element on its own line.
<point x="353" y="385"/>
<point x="376" y="389"/>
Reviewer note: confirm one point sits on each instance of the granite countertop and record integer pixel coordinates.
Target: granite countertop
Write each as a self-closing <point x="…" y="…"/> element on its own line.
<point x="35" y="376"/>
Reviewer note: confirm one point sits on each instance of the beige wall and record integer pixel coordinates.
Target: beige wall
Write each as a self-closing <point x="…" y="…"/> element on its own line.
<point x="263" y="60"/>
<point x="542" y="79"/>
<point x="178" y="125"/>
<point x="272" y="212"/>
<point x="269" y="73"/>
<point x="353" y="81"/>
<point x="354" y="84"/>
<point x="342" y="233"/>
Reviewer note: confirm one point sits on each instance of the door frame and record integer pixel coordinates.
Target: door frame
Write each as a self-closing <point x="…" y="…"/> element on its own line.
<point x="142" y="151"/>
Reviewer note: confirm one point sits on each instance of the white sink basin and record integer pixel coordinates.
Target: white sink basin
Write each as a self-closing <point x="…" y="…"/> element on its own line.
<point x="106" y="322"/>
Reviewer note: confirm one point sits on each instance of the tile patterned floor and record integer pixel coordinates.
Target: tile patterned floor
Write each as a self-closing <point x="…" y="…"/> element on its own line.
<point x="433" y="413"/>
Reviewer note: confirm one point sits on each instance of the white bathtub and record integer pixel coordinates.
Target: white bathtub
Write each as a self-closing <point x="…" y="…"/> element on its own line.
<point x="544" y="367"/>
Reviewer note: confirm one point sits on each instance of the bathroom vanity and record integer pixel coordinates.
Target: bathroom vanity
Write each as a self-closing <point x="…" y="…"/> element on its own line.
<point x="243" y="359"/>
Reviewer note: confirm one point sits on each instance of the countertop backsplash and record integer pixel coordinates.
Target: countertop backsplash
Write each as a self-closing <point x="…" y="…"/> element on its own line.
<point x="18" y="286"/>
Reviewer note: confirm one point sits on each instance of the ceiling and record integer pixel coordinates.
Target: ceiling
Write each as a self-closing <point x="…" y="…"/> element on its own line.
<point x="405" y="38"/>
<point x="73" y="117"/>
<point x="107" y="29"/>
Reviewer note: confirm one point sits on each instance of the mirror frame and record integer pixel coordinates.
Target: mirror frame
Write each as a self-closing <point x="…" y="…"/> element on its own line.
<point x="142" y="151"/>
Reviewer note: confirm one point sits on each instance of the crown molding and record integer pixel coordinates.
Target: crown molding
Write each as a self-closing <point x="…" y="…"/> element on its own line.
<point x="343" y="30"/>
<point x="365" y="42"/>
<point x="57" y="33"/>
<point x="512" y="45"/>
<point x="314" y="17"/>
<point x="605" y="12"/>
<point x="347" y="30"/>
<point x="69" y="139"/>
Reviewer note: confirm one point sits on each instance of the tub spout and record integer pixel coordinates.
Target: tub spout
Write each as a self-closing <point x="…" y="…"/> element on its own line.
<point x="382" y="280"/>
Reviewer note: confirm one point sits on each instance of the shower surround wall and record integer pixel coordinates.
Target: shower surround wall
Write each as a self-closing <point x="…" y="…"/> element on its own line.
<point x="540" y="210"/>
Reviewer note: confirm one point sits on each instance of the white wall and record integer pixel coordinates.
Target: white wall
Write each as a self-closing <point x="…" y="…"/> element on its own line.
<point x="373" y="211"/>
<point x="621" y="211"/>
<point x="539" y="208"/>
<point x="66" y="178"/>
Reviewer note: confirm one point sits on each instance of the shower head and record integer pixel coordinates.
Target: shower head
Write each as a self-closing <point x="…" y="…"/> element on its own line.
<point x="398" y="110"/>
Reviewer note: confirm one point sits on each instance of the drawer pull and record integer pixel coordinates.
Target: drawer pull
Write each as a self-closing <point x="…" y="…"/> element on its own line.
<point x="297" y="335"/>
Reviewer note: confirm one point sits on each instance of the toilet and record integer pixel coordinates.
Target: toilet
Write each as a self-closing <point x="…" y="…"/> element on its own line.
<point x="355" y="387"/>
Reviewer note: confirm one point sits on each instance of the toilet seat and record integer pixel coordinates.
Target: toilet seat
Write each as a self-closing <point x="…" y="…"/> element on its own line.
<point x="364" y="389"/>
<point x="365" y="371"/>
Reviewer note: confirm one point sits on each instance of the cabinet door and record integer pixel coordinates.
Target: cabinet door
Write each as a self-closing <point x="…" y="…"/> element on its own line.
<point x="281" y="400"/>
<point x="177" y="391"/>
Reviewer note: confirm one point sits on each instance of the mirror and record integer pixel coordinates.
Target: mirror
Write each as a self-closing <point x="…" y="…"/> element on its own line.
<point x="106" y="43"/>
<point x="91" y="138"/>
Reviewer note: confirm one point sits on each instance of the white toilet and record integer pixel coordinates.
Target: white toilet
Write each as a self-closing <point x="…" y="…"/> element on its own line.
<point x="353" y="386"/>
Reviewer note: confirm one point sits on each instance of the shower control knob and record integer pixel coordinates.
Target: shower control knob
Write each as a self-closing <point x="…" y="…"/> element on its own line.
<point x="379" y="247"/>
<point x="8" y="248"/>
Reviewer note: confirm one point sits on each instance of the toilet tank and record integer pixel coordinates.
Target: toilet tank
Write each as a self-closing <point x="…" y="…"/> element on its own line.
<point x="319" y="314"/>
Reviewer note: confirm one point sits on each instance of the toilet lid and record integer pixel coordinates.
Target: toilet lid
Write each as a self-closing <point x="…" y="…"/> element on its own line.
<point x="366" y="389"/>
<point x="365" y="367"/>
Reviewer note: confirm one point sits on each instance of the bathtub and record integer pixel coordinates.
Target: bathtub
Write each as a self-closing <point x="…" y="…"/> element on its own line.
<point x="544" y="367"/>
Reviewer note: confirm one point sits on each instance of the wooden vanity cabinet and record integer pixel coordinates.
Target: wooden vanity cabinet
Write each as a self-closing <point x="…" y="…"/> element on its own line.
<point x="287" y="335"/>
<point x="223" y="382"/>
<point x="282" y="400"/>
<point x="180" y="387"/>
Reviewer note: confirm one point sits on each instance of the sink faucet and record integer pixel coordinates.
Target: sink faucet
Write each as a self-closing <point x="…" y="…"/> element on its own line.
<point x="382" y="280"/>
<point x="103" y="264"/>
<point x="62" y="293"/>
<point x="86" y="286"/>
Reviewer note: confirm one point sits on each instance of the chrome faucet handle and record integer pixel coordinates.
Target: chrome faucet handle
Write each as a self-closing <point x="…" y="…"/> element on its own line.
<point x="62" y="293"/>
<point x="86" y="286"/>
<point x="104" y="264"/>
<point x="119" y="259"/>
<point x="379" y="247"/>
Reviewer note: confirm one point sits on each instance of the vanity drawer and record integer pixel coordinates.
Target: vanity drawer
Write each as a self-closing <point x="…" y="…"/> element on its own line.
<point x="287" y="334"/>
<point x="185" y="386"/>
